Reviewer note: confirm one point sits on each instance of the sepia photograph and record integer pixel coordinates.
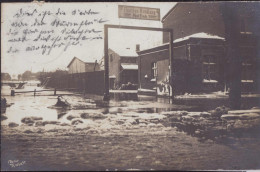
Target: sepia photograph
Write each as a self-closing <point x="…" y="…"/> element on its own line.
<point x="130" y="86"/>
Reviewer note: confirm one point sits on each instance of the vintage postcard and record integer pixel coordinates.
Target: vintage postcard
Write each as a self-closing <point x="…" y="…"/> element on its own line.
<point x="130" y="86"/>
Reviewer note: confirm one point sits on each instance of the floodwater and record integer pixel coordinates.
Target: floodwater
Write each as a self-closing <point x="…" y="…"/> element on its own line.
<point x="119" y="135"/>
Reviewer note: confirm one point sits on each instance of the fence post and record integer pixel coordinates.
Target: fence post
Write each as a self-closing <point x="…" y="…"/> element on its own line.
<point x="12" y="92"/>
<point x="55" y="92"/>
<point x="34" y="93"/>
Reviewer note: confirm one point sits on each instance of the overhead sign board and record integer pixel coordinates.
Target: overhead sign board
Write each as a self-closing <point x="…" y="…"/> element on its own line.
<point x="142" y="13"/>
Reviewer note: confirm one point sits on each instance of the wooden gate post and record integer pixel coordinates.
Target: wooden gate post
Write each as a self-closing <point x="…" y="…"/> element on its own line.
<point x="171" y="73"/>
<point x="106" y="77"/>
<point x="106" y="26"/>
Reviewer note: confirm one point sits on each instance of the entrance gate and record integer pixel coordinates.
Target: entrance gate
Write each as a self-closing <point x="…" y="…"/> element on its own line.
<point x="106" y="74"/>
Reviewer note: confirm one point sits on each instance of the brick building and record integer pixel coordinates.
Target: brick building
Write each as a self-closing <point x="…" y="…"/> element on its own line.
<point x="199" y="49"/>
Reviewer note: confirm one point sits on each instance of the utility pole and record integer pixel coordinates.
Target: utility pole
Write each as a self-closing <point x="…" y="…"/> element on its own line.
<point x="230" y="13"/>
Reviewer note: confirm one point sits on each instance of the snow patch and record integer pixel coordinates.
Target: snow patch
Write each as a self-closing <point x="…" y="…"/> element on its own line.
<point x="199" y="35"/>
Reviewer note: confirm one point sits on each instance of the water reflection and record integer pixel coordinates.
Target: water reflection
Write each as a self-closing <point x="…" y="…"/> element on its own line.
<point x="61" y="112"/>
<point x="124" y="96"/>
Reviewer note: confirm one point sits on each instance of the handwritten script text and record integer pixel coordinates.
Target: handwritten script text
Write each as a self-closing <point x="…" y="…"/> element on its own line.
<point x="42" y="30"/>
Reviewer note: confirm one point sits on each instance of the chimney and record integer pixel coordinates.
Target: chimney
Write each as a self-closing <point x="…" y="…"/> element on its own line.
<point x="137" y="47"/>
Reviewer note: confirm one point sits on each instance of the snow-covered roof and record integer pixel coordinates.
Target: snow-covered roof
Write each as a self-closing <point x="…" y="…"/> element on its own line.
<point x="199" y="35"/>
<point x="128" y="66"/>
<point x="196" y="35"/>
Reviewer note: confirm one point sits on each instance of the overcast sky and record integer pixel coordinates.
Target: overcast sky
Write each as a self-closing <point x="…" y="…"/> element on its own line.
<point x="18" y="62"/>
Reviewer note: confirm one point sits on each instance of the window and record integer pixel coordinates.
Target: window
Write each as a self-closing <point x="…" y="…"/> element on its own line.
<point x="245" y="27"/>
<point x="247" y="74"/>
<point x="154" y="70"/>
<point x="242" y="25"/>
<point x="210" y="71"/>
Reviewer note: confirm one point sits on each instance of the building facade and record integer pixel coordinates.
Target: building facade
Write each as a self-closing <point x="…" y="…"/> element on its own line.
<point x="200" y="62"/>
<point x="190" y="18"/>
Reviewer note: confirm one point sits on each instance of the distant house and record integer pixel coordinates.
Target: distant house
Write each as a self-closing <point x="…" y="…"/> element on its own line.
<point x="123" y="67"/>
<point x="78" y="66"/>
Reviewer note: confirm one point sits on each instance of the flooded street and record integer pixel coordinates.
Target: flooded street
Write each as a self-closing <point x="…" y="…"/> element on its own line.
<point x="120" y="135"/>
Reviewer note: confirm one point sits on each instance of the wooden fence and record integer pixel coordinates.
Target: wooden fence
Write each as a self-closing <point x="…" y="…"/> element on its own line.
<point x="13" y="92"/>
<point x="88" y="82"/>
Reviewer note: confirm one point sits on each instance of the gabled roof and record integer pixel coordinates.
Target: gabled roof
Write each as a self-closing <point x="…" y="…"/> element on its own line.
<point x="73" y="60"/>
<point x="169" y="12"/>
<point x="79" y="60"/>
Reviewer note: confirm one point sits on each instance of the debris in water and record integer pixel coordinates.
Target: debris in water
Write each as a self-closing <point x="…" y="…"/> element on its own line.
<point x="31" y="120"/>
<point x="70" y="117"/>
<point x="64" y="124"/>
<point x="76" y="122"/>
<point x="50" y="122"/>
<point x="39" y="123"/>
<point x="28" y="131"/>
<point x="219" y="111"/>
<point x="3" y="117"/>
<point x="62" y="102"/>
<point x="92" y="115"/>
<point x="27" y="120"/>
<point x="13" y="124"/>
